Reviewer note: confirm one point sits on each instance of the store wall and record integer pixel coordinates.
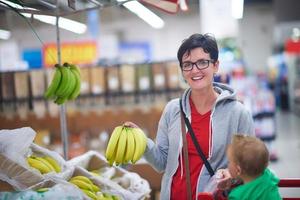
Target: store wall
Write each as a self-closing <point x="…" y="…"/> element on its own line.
<point x="256" y="35"/>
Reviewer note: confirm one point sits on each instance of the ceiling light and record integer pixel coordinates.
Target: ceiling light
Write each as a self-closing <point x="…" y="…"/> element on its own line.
<point x="63" y="23"/>
<point x="145" y="14"/>
<point x="4" y="34"/>
<point x="237" y="8"/>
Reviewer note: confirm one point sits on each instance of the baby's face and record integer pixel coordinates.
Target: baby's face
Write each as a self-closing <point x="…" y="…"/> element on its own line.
<point x="232" y="166"/>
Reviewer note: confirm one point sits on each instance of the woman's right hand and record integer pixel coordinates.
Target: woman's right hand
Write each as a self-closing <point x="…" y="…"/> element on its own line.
<point x="130" y="124"/>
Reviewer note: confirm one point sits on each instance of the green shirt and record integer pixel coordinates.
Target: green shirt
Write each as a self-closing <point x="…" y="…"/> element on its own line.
<point x="264" y="187"/>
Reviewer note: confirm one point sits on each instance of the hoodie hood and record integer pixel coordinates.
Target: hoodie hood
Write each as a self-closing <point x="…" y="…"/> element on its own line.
<point x="224" y="91"/>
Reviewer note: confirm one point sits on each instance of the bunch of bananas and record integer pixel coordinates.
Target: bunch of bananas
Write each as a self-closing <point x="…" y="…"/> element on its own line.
<point x="90" y="189"/>
<point x="125" y="144"/>
<point x="44" y="164"/>
<point x="65" y="85"/>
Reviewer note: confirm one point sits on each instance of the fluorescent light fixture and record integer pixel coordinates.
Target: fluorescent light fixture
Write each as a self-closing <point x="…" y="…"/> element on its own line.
<point x="237" y="8"/>
<point x="17" y="6"/>
<point x="145" y="14"/>
<point x="4" y="34"/>
<point x="63" y="23"/>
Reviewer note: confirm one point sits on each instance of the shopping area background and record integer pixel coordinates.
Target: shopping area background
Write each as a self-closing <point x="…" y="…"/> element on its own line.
<point x="129" y="72"/>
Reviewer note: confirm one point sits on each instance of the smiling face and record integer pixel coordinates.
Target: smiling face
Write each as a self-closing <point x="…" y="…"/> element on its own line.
<point x="199" y="79"/>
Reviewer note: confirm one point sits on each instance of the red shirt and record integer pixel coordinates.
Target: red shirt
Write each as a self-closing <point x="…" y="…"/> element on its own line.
<point x="200" y="125"/>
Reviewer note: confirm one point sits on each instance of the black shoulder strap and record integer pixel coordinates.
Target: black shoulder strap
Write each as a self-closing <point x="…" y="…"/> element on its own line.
<point x="200" y="152"/>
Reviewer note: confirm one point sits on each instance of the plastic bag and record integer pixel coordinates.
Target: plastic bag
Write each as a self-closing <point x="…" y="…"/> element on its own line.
<point x="15" y="146"/>
<point x="14" y="143"/>
<point x="59" y="191"/>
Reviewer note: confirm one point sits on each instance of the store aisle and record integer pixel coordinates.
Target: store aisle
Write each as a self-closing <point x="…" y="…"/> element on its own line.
<point x="287" y="145"/>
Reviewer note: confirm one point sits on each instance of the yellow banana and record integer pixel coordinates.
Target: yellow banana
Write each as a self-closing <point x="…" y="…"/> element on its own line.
<point x="121" y="147"/>
<point x="130" y="147"/>
<point x="42" y="189"/>
<point x="45" y="162"/>
<point x="50" y="92"/>
<point x="82" y="185"/>
<point x="82" y="178"/>
<point x="112" y="143"/>
<point x="37" y="164"/>
<point x="94" y="188"/>
<point x="54" y="163"/>
<point x="140" y="142"/>
<point x="90" y="194"/>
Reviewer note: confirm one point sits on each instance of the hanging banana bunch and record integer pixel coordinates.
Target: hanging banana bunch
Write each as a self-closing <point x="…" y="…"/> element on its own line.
<point x="65" y="85"/>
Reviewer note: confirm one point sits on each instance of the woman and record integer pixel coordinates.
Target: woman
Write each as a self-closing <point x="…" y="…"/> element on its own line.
<point x="214" y="113"/>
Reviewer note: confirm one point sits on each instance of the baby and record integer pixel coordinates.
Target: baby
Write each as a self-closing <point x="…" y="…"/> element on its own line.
<point x="248" y="160"/>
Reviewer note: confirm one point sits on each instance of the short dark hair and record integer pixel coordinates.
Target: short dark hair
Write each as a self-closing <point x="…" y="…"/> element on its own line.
<point x="250" y="153"/>
<point x="207" y="42"/>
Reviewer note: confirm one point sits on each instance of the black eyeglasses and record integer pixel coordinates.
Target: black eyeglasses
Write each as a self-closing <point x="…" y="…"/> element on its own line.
<point x="200" y="64"/>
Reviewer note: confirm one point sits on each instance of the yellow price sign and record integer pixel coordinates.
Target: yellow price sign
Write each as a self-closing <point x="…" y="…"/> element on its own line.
<point x="76" y="53"/>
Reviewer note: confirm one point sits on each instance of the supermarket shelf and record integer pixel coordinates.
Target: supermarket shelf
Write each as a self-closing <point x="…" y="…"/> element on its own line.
<point x="104" y="95"/>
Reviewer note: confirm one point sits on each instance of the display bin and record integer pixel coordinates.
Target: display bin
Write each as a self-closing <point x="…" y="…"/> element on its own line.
<point x="159" y="76"/>
<point x="8" y="92"/>
<point x="144" y="84"/>
<point x="113" y="85"/>
<point x="22" y="93"/>
<point x="52" y="108"/>
<point x="128" y="86"/>
<point x="98" y="86"/>
<point x="159" y="82"/>
<point x="38" y="87"/>
<point x="85" y="91"/>
<point x="173" y="80"/>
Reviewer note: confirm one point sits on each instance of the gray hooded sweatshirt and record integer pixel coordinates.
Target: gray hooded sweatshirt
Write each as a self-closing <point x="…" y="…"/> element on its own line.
<point x="228" y="117"/>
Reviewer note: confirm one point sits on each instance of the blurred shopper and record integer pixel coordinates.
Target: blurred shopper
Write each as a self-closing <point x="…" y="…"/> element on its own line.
<point x="248" y="160"/>
<point x="214" y="114"/>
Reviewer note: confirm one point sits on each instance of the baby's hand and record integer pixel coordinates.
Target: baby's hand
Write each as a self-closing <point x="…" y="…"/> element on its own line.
<point x="223" y="179"/>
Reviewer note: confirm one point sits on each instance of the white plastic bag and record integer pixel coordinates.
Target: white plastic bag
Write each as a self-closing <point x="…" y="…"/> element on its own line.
<point x="15" y="143"/>
<point x="59" y="191"/>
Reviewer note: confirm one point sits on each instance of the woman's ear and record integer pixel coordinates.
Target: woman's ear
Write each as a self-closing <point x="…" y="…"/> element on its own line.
<point x="216" y="66"/>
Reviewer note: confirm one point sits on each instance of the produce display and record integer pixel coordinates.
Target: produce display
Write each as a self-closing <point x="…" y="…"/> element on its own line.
<point x="30" y="171"/>
<point x="125" y="145"/>
<point x="65" y="85"/>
